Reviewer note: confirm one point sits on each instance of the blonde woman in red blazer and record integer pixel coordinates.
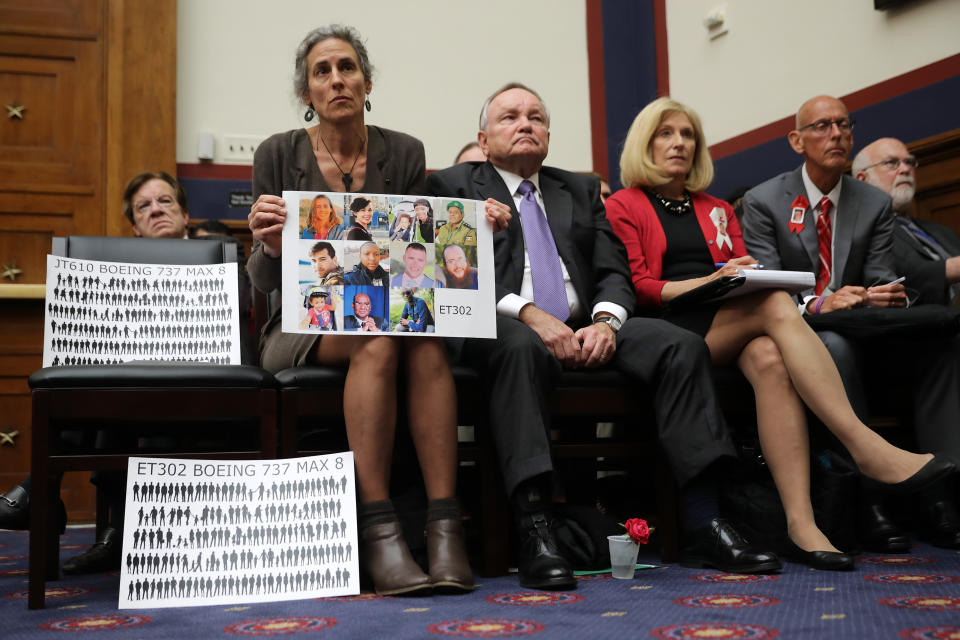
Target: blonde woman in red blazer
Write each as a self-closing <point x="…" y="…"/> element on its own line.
<point x="674" y="235"/>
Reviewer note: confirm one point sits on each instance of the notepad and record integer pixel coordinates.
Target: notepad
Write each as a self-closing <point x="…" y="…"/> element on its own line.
<point x="746" y="281"/>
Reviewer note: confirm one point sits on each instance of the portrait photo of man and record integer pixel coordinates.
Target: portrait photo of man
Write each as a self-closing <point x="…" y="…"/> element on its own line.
<point x="363" y="318"/>
<point x="412" y="269"/>
<point x="457" y="271"/>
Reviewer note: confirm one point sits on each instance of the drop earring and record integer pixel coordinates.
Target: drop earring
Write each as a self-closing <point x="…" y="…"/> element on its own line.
<point x="308" y="116"/>
<point x="366" y="104"/>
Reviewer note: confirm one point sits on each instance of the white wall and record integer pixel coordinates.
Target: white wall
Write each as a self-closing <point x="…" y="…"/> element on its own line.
<point x="436" y="61"/>
<point x="778" y="53"/>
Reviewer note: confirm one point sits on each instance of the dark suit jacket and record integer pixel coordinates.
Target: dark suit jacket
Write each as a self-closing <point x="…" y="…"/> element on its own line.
<point x="594" y="257"/>
<point x="863" y="231"/>
<point x="925" y="275"/>
<point x="350" y="323"/>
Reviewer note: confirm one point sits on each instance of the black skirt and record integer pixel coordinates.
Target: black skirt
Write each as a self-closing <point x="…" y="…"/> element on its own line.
<point x="697" y="319"/>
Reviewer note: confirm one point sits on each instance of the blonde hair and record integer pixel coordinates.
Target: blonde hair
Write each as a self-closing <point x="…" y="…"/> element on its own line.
<point x="636" y="162"/>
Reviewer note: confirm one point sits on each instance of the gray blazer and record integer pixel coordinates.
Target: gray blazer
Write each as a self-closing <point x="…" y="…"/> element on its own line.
<point x="863" y="231"/>
<point x="395" y="164"/>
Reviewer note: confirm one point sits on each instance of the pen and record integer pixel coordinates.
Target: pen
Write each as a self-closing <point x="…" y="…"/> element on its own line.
<point x="897" y="281"/>
<point x="754" y="266"/>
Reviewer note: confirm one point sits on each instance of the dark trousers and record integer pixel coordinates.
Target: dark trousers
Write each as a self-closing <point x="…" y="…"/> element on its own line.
<point x="673" y="362"/>
<point x="929" y="369"/>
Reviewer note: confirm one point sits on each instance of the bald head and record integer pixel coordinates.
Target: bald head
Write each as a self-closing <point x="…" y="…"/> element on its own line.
<point x="824" y="137"/>
<point x="888" y="165"/>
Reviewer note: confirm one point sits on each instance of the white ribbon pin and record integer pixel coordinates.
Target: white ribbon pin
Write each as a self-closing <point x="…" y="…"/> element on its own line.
<point x="720" y="222"/>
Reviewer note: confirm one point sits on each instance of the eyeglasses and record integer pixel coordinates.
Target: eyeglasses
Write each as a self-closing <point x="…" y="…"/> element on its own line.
<point x="823" y="127"/>
<point x="892" y="164"/>
<point x="164" y="202"/>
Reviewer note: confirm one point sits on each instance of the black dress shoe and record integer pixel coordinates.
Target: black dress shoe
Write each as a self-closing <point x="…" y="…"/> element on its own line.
<point x="935" y="470"/>
<point x="104" y="555"/>
<point x="15" y="511"/>
<point x="941" y="525"/>
<point x="823" y="560"/>
<point x="720" y="545"/>
<point x="541" y="567"/>
<point x="876" y="532"/>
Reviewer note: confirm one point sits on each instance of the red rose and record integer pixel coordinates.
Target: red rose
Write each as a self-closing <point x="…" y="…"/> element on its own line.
<point x="638" y="530"/>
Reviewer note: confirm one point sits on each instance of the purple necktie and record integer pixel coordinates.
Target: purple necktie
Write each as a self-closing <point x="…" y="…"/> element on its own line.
<point x="549" y="292"/>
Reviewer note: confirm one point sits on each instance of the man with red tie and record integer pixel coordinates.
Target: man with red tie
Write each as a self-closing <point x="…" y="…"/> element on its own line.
<point x="817" y="219"/>
<point x="564" y="300"/>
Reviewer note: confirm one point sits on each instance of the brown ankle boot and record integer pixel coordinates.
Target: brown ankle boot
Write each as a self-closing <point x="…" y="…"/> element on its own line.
<point x="449" y="568"/>
<point x="386" y="559"/>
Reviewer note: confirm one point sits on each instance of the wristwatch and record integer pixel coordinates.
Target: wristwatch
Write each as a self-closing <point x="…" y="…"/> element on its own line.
<point x="612" y="321"/>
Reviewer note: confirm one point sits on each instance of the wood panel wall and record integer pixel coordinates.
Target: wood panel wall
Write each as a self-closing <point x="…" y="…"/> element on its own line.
<point x="938" y="179"/>
<point x="97" y="79"/>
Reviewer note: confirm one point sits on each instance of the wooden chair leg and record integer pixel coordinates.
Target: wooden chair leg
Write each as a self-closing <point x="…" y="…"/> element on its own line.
<point x="44" y="543"/>
<point x="493" y="507"/>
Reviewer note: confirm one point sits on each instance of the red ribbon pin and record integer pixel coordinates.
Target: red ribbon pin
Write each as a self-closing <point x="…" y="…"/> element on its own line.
<point x="797" y="211"/>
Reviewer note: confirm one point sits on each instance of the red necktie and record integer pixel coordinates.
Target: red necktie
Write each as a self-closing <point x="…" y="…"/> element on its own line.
<point x="824" y="240"/>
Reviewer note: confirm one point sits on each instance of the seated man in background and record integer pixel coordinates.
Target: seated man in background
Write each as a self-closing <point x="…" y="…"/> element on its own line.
<point x="817" y="219"/>
<point x="564" y="298"/>
<point x="209" y="228"/>
<point x="927" y="253"/>
<point x="471" y="152"/>
<point x="156" y="206"/>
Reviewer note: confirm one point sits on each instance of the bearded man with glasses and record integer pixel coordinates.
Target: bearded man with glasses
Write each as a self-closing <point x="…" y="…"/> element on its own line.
<point x="817" y="219"/>
<point x="927" y="253"/>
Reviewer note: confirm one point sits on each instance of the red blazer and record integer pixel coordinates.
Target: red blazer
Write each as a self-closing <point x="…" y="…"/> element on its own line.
<point x="633" y="218"/>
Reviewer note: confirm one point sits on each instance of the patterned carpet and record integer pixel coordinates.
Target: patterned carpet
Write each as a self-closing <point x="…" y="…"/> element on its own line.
<point x="916" y="595"/>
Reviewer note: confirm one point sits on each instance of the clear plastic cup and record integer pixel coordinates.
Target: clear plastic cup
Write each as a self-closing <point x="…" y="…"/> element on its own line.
<point x="623" y="556"/>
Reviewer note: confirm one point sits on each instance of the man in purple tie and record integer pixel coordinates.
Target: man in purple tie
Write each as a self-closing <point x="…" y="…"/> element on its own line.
<point x="564" y="299"/>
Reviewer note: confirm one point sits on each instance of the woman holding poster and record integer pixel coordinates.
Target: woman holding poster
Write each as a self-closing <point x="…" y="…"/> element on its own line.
<point x="333" y="79"/>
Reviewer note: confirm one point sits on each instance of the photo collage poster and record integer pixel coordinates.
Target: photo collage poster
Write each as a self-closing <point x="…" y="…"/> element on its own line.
<point x="112" y="312"/>
<point x="215" y="532"/>
<point x="372" y="263"/>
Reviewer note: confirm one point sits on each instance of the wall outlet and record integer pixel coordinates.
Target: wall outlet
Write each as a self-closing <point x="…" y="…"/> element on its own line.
<point x="240" y="148"/>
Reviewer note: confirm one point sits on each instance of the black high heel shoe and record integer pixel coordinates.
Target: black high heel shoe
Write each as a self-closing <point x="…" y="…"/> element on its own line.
<point x="822" y="560"/>
<point x="935" y="470"/>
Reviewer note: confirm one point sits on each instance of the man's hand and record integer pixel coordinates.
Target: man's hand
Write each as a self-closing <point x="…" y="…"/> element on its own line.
<point x="404" y="321"/>
<point x="558" y="337"/>
<point x="498" y="214"/>
<point x="952" y="266"/>
<point x="845" y="298"/>
<point x="598" y="344"/>
<point x="887" y="295"/>
<point x="266" y="222"/>
<point x="369" y="325"/>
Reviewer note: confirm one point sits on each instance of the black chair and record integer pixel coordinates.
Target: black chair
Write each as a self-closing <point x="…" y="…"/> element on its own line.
<point x="213" y="404"/>
<point x="312" y="396"/>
